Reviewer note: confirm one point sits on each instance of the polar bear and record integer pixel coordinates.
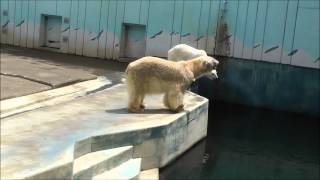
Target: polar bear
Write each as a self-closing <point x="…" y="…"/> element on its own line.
<point x="153" y="75"/>
<point x="185" y="52"/>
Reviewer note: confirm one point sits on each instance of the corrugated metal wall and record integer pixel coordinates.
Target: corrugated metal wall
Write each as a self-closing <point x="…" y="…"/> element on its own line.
<point x="280" y="31"/>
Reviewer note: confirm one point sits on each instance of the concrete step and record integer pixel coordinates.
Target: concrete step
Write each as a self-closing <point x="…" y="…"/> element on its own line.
<point x="92" y="164"/>
<point x="127" y="170"/>
<point x="151" y="174"/>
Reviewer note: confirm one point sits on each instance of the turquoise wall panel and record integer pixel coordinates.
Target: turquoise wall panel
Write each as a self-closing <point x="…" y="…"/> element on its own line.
<point x="203" y="24"/>
<point x="43" y="7"/>
<point x="287" y="46"/>
<point x="118" y="29"/>
<point x="250" y="30"/>
<point x="31" y="23"/>
<point x="240" y="28"/>
<point x="4" y="20"/>
<point x="104" y="18"/>
<point x="144" y="7"/>
<point x="73" y="26"/>
<point x="132" y="11"/>
<point x="274" y="30"/>
<point x="176" y="22"/>
<point x="260" y="29"/>
<point x="159" y="27"/>
<point x="111" y="28"/>
<point x="230" y="19"/>
<point x="18" y="21"/>
<point x="80" y="26"/>
<point x="64" y="10"/>
<point x="190" y="22"/>
<point x="215" y="7"/>
<point x="307" y="39"/>
<point x="92" y="30"/>
<point x="24" y="23"/>
<point x="11" y="24"/>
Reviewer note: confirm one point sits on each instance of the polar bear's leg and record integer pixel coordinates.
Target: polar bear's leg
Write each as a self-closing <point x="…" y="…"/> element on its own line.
<point x="165" y="100"/>
<point x="135" y="98"/>
<point x="175" y="101"/>
<point x="135" y="102"/>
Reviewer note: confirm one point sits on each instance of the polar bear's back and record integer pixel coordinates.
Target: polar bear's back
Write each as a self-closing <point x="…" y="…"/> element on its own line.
<point x="155" y="67"/>
<point x="155" y="75"/>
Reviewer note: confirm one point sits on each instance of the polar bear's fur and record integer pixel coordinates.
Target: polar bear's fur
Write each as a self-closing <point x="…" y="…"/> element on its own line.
<point x="185" y="52"/>
<point x="152" y="75"/>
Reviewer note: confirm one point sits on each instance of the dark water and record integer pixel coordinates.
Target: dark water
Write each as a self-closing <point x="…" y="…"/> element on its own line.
<point x="248" y="143"/>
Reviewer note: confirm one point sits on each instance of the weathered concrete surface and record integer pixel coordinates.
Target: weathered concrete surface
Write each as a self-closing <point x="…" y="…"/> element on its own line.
<point x="44" y="142"/>
<point x="151" y="174"/>
<point x="54" y="76"/>
<point x="93" y="164"/>
<point x="51" y="69"/>
<point x="15" y="86"/>
<point x="126" y="171"/>
<point x="16" y="105"/>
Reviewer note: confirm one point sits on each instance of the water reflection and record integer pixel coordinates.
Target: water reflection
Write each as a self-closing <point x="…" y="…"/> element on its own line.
<point x="248" y="143"/>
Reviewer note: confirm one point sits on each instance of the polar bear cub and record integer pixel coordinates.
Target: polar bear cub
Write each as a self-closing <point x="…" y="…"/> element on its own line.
<point x="185" y="52"/>
<point x="152" y="75"/>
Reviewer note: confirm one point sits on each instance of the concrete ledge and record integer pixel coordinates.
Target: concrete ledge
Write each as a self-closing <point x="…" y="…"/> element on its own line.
<point x="127" y="170"/>
<point x="96" y="163"/>
<point x="13" y="106"/>
<point x="49" y="139"/>
<point x="151" y="174"/>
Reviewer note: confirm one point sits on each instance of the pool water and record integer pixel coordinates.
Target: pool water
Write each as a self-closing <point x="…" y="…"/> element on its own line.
<point x="249" y="143"/>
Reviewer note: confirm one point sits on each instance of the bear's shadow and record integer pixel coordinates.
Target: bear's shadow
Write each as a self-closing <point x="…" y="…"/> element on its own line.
<point x="145" y="111"/>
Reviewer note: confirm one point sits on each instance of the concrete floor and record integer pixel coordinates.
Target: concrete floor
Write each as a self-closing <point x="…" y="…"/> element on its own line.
<point x="27" y="71"/>
<point x="38" y="140"/>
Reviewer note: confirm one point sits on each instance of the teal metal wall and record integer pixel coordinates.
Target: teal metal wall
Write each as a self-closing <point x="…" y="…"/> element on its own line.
<point x="280" y="31"/>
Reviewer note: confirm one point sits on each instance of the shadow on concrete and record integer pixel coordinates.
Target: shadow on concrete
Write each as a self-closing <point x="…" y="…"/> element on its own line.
<point x="146" y="111"/>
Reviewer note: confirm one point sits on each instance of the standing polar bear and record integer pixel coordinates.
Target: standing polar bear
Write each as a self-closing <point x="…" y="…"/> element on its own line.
<point x="182" y="52"/>
<point x="152" y="75"/>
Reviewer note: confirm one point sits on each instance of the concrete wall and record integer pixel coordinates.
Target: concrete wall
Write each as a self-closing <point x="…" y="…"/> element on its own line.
<point x="267" y="85"/>
<point x="285" y="31"/>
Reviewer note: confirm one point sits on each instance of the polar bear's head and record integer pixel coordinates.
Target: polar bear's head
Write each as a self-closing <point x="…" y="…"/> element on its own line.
<point x="209" y="65"/>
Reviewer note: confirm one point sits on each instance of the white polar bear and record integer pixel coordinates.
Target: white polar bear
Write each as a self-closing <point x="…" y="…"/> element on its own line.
<point x="185" y="52"/>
